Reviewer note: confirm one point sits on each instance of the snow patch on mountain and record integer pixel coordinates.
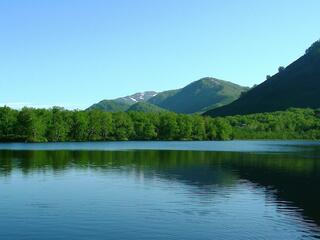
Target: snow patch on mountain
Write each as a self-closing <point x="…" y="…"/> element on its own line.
<point x="138" y="97"/>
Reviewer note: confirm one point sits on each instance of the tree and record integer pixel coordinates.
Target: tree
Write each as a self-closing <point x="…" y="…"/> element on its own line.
<point x="8" y="118"/>
<point x="123" y="126"/>
<point x="314" y="48"/>
<point x="58" y="125"/>
<point x="211" y="129"/>
<point x="143" y="127"/>
<point x="29" y="126"/>
<point x="224" y="129"/>
<point x="168" y="127"/>
<point x="281" y="69"/>
<point x="106" y="125"/>
<point x="198" y="128"/>
<point x="149" y="131"/>
<point x="79" y="125"/>
<point x="185" y="125"/>
<point x="94" y="125"/>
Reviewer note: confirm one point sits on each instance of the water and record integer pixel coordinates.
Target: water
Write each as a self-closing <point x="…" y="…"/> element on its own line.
<point x="160" y="190"/>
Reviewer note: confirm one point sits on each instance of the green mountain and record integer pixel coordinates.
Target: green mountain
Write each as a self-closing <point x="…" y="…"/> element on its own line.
<point x="145" y="107"/>
<point x="123" y="103"/>
<point x="110" y="106"/>
<point x="162" y="96"/>
<point x="297" y="85"/>
<point x="199" y="96"/>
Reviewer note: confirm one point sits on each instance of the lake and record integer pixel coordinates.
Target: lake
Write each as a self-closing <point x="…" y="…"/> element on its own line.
<point x="160" y="190"/>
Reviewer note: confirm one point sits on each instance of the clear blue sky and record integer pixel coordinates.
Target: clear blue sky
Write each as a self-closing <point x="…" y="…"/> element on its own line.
<point x="74" y="53"/>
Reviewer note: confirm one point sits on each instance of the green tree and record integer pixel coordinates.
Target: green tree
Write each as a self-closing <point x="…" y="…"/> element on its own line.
<point x="123" y="126"/>
<point x="185" y="126"/>
<point x="198" y="128"/>
<point x="94" y="125"/>
<point x="8" y="118"/>
<point x="143" y="126"/>
<point x="29" y="126"/>
<point x="168" y="127"/>
<point x="211" y="128"/>
<point x="79" y="125"/>
<point x="58" y="125"/>
<point x="224" y="130"/>
<point x="106" y="125"/>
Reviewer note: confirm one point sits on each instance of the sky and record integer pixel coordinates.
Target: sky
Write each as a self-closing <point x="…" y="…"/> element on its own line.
<point x="73" y="53"/>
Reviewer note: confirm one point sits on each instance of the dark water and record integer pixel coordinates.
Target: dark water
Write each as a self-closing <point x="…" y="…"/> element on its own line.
<point x="160" y="190"/>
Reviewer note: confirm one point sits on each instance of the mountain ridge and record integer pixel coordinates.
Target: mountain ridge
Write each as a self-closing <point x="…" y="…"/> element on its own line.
<point x="194" y="98"/>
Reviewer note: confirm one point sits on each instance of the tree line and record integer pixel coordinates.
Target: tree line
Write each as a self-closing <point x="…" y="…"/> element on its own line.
<point x="60" y="125"/>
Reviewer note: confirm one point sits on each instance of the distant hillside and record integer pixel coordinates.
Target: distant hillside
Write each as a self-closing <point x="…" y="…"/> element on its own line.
<point x="145" y="107"/>
<point x="199" y="95"/>
<point x="110" y="106"/>
<point x="123" y="103"/>
<point x="298" y="86"/>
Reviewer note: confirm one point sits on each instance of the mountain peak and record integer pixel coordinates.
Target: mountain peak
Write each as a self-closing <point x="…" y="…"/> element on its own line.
<point x="208" y="80"/>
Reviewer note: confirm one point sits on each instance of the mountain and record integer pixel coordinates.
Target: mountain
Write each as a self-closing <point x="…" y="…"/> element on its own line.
<point x="145" y="107"/>
<point x="137" y="97"/>
<point x="198" y="96"/>
<point x="162" y="96"/>
<point x="297" y="85"/>
<point x="110" y="106"/>
<point x="123" y="103"/>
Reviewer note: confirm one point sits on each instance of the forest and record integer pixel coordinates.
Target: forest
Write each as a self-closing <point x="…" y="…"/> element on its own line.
<point x="60" y="125"/>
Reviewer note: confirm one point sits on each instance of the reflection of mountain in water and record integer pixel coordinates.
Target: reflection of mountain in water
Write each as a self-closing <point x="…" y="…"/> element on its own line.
<point x="290" y="178"/>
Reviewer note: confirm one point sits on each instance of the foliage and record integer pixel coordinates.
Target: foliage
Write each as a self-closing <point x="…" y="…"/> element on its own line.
<point x="281" y="69"/>
<point x="314" y="48"/>
<point x="57" y="124"/>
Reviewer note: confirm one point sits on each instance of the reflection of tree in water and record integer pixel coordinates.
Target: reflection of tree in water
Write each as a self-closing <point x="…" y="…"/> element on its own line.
<point x="291" y="177"/>
<point x="294" y="182"/>
<point x="190" y="167"/>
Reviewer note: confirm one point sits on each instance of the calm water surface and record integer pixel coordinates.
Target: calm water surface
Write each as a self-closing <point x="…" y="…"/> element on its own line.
<point x="160" y="190"/>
